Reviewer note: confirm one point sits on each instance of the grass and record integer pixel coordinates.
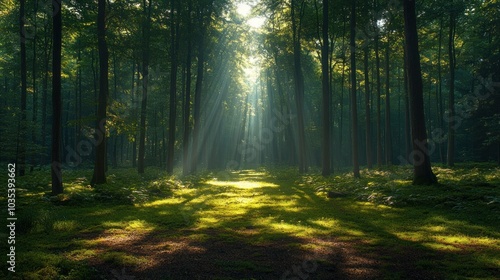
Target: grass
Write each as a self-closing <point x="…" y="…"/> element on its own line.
<point x="260" y="224"/>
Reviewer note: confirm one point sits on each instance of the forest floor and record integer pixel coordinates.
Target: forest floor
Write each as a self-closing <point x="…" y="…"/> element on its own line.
<point x="260" y="224"/>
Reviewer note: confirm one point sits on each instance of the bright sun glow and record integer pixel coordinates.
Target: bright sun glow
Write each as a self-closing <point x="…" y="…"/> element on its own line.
<point x="256" y="22"/>
<point x="245" y="11"/>
<point x="253" y="23"/>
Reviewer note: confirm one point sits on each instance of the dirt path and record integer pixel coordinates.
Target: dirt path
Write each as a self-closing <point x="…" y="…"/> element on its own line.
<point x="250" y="225"/>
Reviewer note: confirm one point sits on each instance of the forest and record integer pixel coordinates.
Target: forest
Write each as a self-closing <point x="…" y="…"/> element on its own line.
<point x="258" y="139"/>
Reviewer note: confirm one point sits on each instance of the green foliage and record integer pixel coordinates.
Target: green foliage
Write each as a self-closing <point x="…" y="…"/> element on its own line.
<point x="458" y="188"/>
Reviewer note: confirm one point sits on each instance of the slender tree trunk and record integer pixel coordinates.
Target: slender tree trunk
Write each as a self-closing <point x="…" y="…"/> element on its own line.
<point x="174" y="32"/>
<point x="408" y="146"/>
<point x="135" y="90"/>
<point x="341" y="117"/>
<point x="354" y="103"/>
<point x="422" y="172"/>
<point x="21" y="157"/>
<point x="57" y="186"/>
<point x="145" y="79"/>
<point x="388" y="131"/>
<point x="285" y="110"/>
<point x="299" y="82"/>
<point x="275" y="155"/>
<point x="94" y="76"/>
<point x="379" y="93"/>
<point x="79" y="97"/>
<point x="326" y="93"/>
<point x="35" y="91"/>
<point x="440" y="91"/>
<point x="342" y="88"/>
<point x="99" y="176"/>
<point x="195" y="152"/>
<point x="114" y="160"/>
<point x="187" y="103"/>
<point x="368" y="137"/>
<point x="45" y="87"/>
<point x="450" y="159"/>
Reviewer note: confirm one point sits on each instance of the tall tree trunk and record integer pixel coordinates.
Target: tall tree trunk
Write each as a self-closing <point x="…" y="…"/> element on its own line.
<point x="275" y="154"/>
<point x="45" y="87"/>
<point x="379" y="93"/>
<point x="326" y="93"/>
<point x="99" y="176"/>
<point x="440" y="92"/>
<point x="422" y="171"/>
<point x="299" y="82"/>
<point x="187" y="103"/>
<point x="79" y="95"/>
<point x="21" y="157"/>
<point x="341" y="115"/>
<point x="174" y="46"/>
<point x="57" y="186"/>
<point x="450" y="159"/>
<point x="135" y="90"/>
<point x="195" y="152"/>
<point x="408" y="146"/>
<point x="35" y="91"/>
<point x="354" y="103"/>
<point x="368" y="137"/>
<point x="388" y="132"/>
<point x="342" y="88"/>
<point x="145" y="78"/>
<point x="114" y="160"/>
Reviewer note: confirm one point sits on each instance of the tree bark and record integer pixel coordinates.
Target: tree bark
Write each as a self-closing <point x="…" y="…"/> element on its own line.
<point x="450" y="159"/>
<point x="388" y="131"/>
<point x="45" y="85"/>
<point x="195" y="152"/>
<point x="326" y="92"/>
<point x="145" y="78"/>
<point x="56" y="174"/>
<point x="354" y="103"/>
<point x="99" y="176"/>
<point x="440" y="92"/>
<point x="379" y="93"/>
<point x="21" y="157"/>
<point x="187" y="103"/>
<point x="35" y="91"/>
<point x="422" y="171"/>
<point x="299" y="83"/>
<point x="174" y="32"/>
<point x="368" y="137"/>
<point x="135" y="90"/>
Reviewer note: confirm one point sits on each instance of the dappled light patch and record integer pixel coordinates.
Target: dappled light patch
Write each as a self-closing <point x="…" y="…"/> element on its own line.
<point x="240" y="184"/>
<point x="139" y="225"/>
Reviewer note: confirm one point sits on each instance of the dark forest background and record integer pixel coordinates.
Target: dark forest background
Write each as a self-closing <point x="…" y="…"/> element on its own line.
<point x="193" y="85"/>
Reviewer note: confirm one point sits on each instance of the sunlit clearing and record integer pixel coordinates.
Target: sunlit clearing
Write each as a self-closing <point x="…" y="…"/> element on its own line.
<point x="240" y="184"/>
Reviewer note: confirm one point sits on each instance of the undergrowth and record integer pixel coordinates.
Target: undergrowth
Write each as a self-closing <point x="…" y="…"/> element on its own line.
<point x="61" y="237"/>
